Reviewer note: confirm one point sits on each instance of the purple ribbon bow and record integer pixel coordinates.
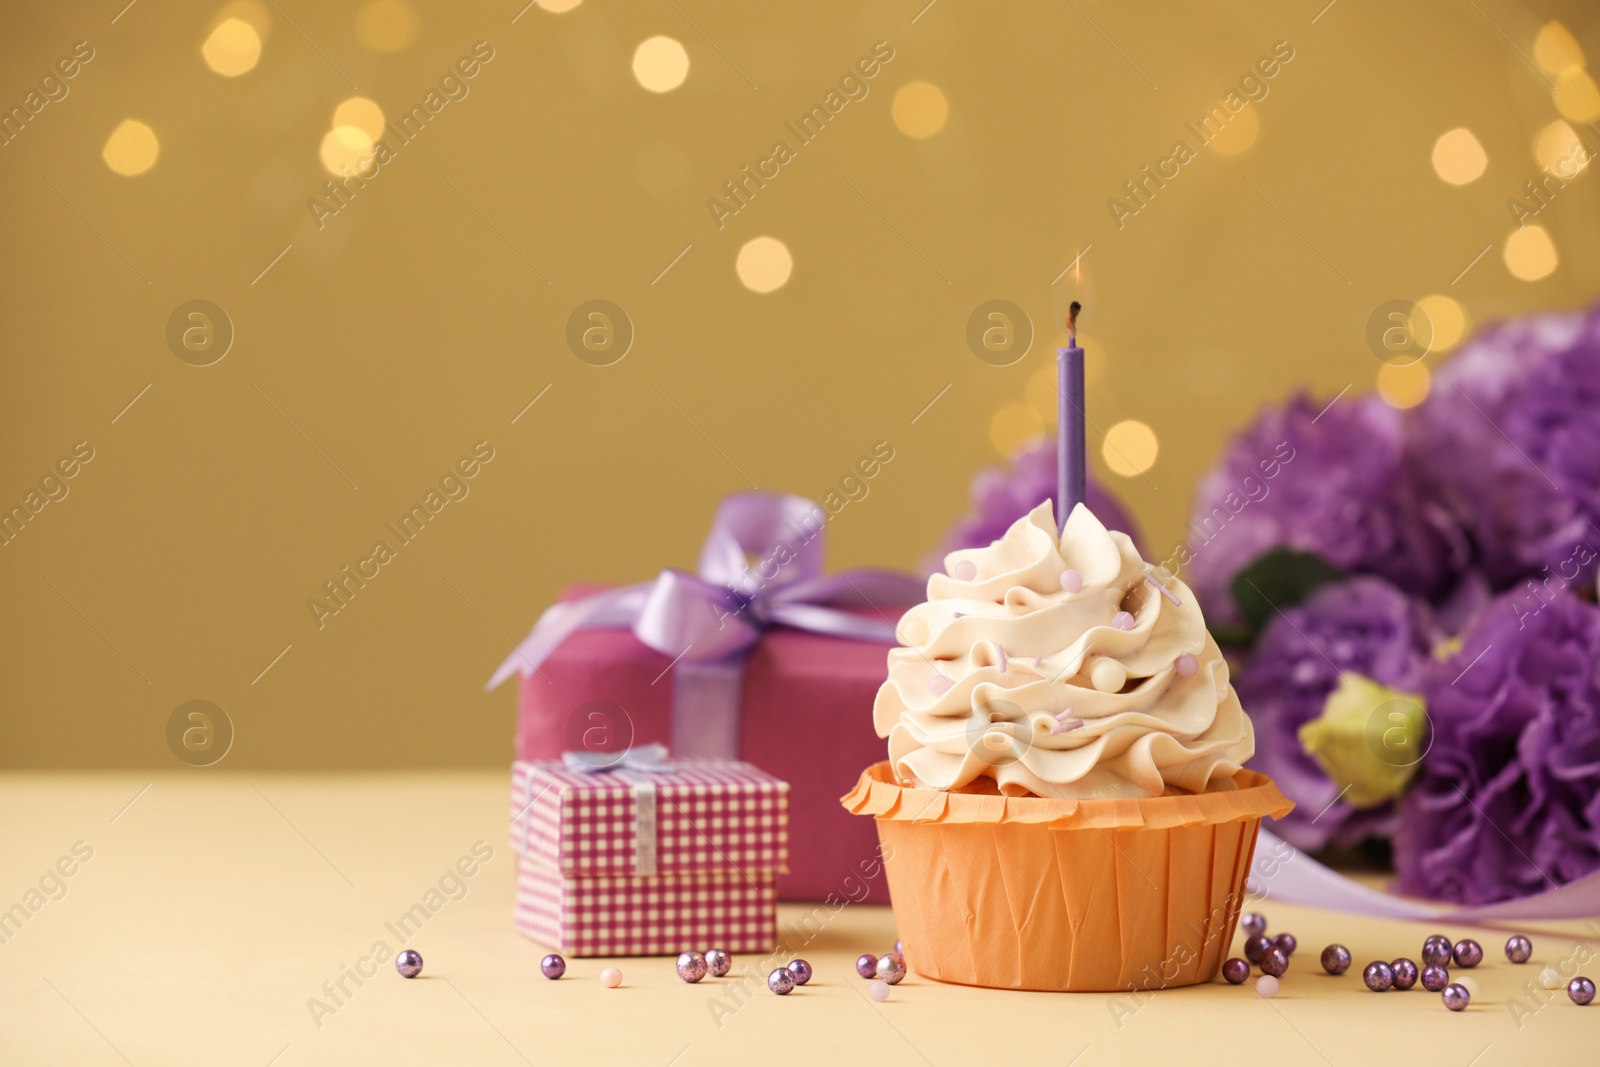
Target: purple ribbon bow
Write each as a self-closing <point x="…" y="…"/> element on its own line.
<point x="760" y="566"/>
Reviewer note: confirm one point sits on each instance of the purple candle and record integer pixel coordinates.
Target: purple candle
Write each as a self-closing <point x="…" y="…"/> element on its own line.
<point x="1070" y="451"/>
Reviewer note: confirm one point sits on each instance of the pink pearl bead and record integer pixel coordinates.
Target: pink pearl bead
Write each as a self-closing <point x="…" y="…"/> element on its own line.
<point x="1071" y="581"/>
<point x="611" y="978"/>
<point x="1267" y="986"/>
<point x="965" y="571"/>
<point x="1122" y="620"/>
<point x="1188" y="666"/>
<point x="878" y="991"/>
<point x="939" y="685"/>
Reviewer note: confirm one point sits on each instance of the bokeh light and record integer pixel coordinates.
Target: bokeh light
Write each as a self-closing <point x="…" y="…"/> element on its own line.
<point x="1404" y="386"/>
<point x="233" y="48"/>
<point x="1458" y="156"/>
<point x="919" y="109"/>
<point x="557" y="7"/>
<point x="1239" y="134"/>
<point x="1556" y="50"/>
<point x="1040" y="393"/>
<point x="1012" y="427"/>
<point x="1130" y="448"/>
<point x="1445" y="323"/>
<point x="1530" y="254"/>
<point x="345" y="149"/>
<point x="660" y="64"/>
<point x="1577" y="97"/>
<point x="764" y="264"/>
<point x="361" y="113"/>
<point x="387" y="25"/>
<point x="131" y="149"/>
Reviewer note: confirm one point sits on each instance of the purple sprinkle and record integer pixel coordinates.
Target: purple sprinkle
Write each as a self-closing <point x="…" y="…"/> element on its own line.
<point x="1063" y="724"/>
<point x="1153" y="580"/>
<point x="939" y="685"/>
<point x="1038" y="661"/>
<point x="1000" y="650"/>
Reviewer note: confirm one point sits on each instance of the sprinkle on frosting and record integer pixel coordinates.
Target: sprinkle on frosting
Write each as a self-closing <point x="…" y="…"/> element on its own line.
<point x="1134" y="710"/>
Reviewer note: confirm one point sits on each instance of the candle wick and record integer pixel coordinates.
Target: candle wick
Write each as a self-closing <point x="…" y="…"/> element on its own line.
<point x="1072" y="323"/>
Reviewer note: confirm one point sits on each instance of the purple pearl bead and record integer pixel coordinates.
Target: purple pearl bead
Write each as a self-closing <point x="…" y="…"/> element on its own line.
<point x="1519" y="949"/>
<point x="1286" y="942"/>
<point x="1274" y="961"/>
<point x="1236" y="970"/>
<point x="1405" y="973"/>
<point x="891" y="968"/>
<point x="718" y="962"/>
<point x="691" y="967"/>
<point x="867" y="965"/>
<point x="1435" y="978"/>
<point x="1468" y="953"/>
<point x="1581" y="990"/>
<point x="552" y="966"/>
<point x="1122" y="620"/>
<point x="1379" y="976"/>
<point x="781" y="981"/>
<point x="1254" y="947"/>
<point x="801" y="971"/>
<point x="408" y="963"/>
<point x="1456" y="997"/>
<point x="1254" y="924"/>
<point x="1336" y="959"/>
<point x="1436" y="951"/>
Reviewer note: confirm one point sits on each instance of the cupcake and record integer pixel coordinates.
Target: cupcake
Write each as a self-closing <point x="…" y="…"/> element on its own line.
<point x="1064" y="806"/>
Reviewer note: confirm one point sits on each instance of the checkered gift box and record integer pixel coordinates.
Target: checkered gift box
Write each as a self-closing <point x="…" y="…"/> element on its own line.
<point x="625" y="862"/>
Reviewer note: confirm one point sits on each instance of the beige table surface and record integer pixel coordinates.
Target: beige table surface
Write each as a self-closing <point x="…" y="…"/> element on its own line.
<point x="214" y="907"/>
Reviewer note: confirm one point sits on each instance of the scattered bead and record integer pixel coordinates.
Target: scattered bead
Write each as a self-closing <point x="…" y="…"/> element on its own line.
<point x="1254" y="947"/>
<point x="1466" y="982"/>
<point x="939" y="685"/>
<point x="1071" y="581"/>
<point x="1108" y="676"/>
<point x="1254" y="924"/>
<point x="801" y="971"/>
<point x="1188" y="666"/>
<point x="1336" y="959"/>
<point x="1436" y="951"/>
<point x="1274" y="961"/>
<point x="891" y="968"/>
<point x="1581" y="990"/>
<point x="781" y="981"/>
<point x="1286" y="942"/>
<point x="965" y="571"/>
<point x="552" y="966"/>
<point x="878" y="991"/>
<point x="1123" y="620"/>
<point x="611" y="978"/>
<point x="867" y="965"/>
<point x="1405" y="973"/>
<point x="1379" y="976"/>
<point x="1435" y="978"/>
<point x="1519" y="949"/>
<point x="691" y="967"/>
<point x="408" y="963"/>
<point x="1236" y="970"/>
<point x="1267" y="986"/>
<point x="1468" y="953"/>
<point x="1456" y="997"/>
<point x="1549" y="979"/>
<point x="718" y="962"/>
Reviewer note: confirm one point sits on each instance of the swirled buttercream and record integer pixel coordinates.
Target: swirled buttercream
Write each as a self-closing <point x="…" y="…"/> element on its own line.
<point x="1060" y="667"/>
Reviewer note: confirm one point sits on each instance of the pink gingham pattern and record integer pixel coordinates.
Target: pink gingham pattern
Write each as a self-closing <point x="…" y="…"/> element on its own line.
<point x="657" y="916"/>
<point x="710" y="815"/>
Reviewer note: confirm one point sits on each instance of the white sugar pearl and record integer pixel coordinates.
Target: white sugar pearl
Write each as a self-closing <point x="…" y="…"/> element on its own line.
<point x="1267" y="986"/>
<point x="1466" y="980"/>
<point x="1108" y="675"/>
<point x="1550" y="979"/>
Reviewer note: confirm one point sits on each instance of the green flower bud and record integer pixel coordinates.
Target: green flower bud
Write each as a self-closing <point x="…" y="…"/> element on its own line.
<point x="1368" y="739"/>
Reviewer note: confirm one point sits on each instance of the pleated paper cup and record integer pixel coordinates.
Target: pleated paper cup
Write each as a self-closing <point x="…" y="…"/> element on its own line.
<point x="1061" y="895"/>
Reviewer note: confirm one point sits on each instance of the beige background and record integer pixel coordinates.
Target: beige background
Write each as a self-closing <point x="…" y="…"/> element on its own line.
<point x="377" y="350"/>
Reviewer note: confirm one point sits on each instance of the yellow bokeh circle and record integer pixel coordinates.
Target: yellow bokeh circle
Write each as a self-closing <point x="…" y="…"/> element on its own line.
<point x="764" y="264"/>
<point x="361" y="113"/>
<point x="387" y="25"/>
<point x="1013" y="426"/>
<point x="233" y="48"/>
<point x="1556" y="50"/>
<point x="1239" y="134"/>
<point x="131" y="149"/>
<point x="919" y="109"/>
<point x="660" y="64"/>
<point x="1530" y="254"/>
<point x="1559" y="151"/>
<point x="1130" y="448"/>
<point x="1444" y="322"/>
<point x="345" y="149"/>
<point x="1404" y="386"/>
<point x="1577" y="96"/>
<point x="557" y="7"/>
<point x="1458" y="156"/>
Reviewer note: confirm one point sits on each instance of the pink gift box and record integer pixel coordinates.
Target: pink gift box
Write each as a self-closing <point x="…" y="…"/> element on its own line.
<point x="628" y="862"/>
<point x="806" y="715"/>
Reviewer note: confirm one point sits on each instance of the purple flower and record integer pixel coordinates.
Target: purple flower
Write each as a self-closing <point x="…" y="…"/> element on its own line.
<point x="1362" y="625"/>
<point x="1001" y="496"/>
<point x="1509" y="441"/>
<point x="1323" y="478"/>
<point x="1508" y="799"/>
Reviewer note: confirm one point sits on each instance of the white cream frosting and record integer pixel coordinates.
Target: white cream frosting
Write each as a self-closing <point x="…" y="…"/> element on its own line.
<point x="1024" y="656"/>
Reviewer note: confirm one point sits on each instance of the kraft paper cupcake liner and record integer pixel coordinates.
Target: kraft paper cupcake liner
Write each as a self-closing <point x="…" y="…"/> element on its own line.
<point x="1072" y="896"/>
